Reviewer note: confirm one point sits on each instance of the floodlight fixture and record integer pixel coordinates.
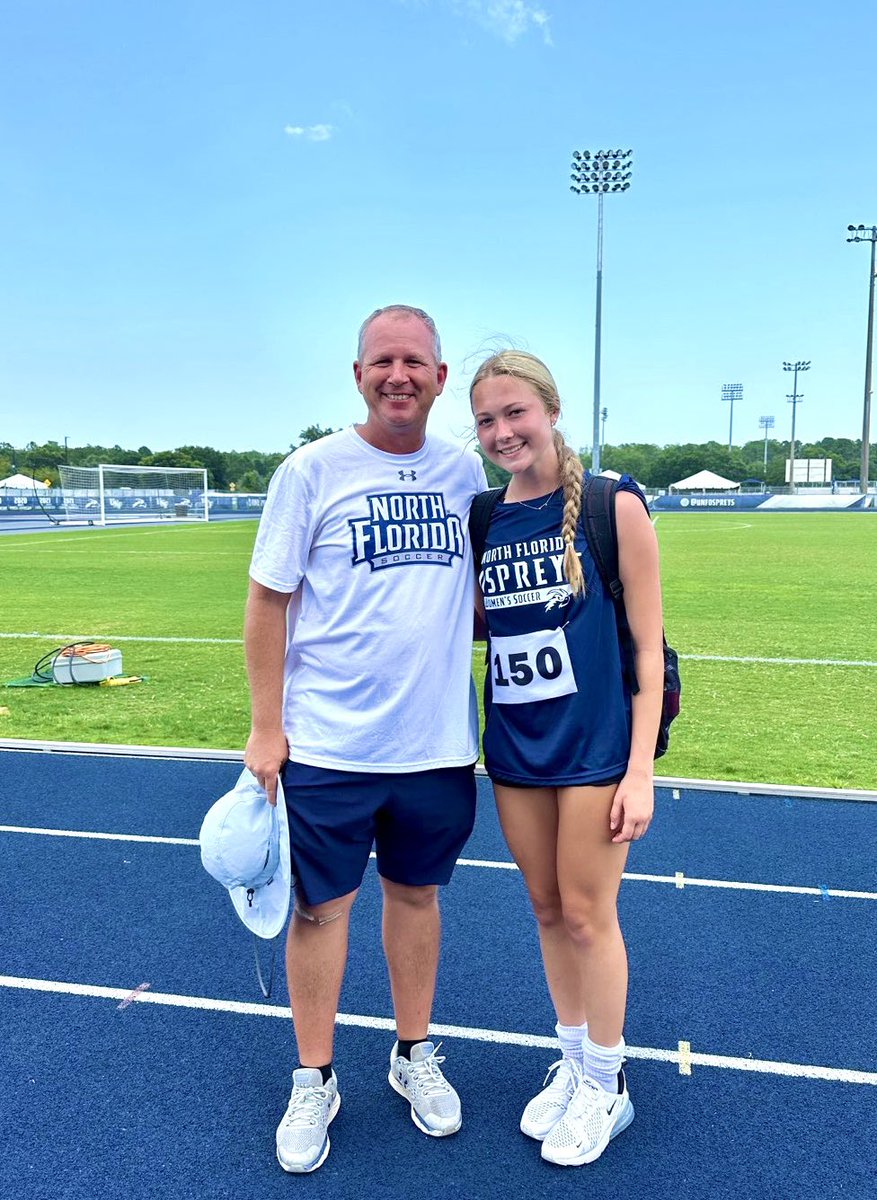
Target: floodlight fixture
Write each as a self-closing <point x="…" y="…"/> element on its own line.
<point x="795" y="399"/>
<point x="863" y="233"/>
<point x="766" y="423"/>
<point x="730" y="393"/>
<point x="600" y="173"/>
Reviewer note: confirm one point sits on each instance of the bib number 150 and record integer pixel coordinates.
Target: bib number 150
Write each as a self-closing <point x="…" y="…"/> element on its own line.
<point x="530" y="667"/>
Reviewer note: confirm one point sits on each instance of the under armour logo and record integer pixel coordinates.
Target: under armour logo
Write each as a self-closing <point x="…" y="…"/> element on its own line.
<point x="407" y="475"/>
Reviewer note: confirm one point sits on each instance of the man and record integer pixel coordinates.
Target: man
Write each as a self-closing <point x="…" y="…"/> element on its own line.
<point x="358" y="640"/>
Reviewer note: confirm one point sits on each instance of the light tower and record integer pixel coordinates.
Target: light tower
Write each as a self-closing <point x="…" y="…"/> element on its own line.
<point x="730" y="393"/>
<point x="862" y="233"/>
<point x="766" y="423"/>
<point x="795" y="399"/>
<point x="599" y="172"/>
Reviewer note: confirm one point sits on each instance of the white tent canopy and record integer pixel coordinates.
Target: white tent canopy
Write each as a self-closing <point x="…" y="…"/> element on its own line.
<point x="22" y="481"/>
<point x="704" y="481"/>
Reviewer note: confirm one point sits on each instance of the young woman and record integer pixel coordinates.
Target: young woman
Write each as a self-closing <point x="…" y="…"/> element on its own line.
<point x="569" y="750"/>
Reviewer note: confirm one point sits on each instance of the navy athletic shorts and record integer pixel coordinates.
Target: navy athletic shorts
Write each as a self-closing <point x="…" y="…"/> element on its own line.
<point x="418" y="823"/>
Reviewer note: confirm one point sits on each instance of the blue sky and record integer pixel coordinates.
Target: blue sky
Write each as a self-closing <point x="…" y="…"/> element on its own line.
<point x="201" y="202"/>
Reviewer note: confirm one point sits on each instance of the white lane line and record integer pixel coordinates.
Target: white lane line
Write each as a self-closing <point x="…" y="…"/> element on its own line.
<point x="686" y="881"/>
<point x="95" y="532"/>
<point x="35" y="635"/>
<point x="497" y="1036"/>
<point x="102" y="837"/>
<point x="785" y="662"/>
<point x="73" y="637"/>
<point x="248" y="554"/>
<point x="722" y="526"/>
<point x="678" y="879"/>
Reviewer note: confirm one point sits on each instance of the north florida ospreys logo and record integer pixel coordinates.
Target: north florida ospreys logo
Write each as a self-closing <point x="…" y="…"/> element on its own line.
<point x="525" y="573"/>
<point x="403" y="528"/>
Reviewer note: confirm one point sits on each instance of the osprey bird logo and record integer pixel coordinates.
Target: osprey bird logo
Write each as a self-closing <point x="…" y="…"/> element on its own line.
<point x="558" y="598"/>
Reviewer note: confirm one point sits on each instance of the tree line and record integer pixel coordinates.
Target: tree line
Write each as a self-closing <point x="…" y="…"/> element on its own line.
<point x="250" y="470"/>
<point x="657" y="467"/>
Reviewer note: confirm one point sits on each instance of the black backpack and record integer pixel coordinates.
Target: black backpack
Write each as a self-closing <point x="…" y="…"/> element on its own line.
<point x="598" y="520"/>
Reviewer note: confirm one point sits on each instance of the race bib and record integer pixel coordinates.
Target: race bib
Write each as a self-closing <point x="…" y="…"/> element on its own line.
<point x="530" y="667"/>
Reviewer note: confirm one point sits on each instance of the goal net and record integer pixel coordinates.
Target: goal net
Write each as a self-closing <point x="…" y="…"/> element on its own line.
<point x="110" y="494"/>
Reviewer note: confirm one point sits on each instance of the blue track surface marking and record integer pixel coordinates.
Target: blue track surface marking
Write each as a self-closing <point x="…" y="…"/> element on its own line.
<point x="170" y="1081"/>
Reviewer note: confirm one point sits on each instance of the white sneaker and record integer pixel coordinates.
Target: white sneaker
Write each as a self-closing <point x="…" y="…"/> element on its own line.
<point x="435" y="1106"/>
<point x="545" y="1110"/>
<point x="302" y="1135"/>
<point x="592" y="1118"/>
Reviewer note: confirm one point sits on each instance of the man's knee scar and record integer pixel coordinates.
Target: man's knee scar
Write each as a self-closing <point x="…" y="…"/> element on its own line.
<point x="314" y="919"/>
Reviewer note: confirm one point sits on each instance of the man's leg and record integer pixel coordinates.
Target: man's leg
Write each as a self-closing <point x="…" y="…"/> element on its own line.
<point x="419" y="834"/>
<point x="330" y="835"/>
<point x="411" y="933"/>
<point x="316" y="955"/>
<point x="420" y="831"/>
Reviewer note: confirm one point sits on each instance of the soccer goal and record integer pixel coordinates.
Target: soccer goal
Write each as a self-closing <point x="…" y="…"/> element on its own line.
<point x="109" y="495"/>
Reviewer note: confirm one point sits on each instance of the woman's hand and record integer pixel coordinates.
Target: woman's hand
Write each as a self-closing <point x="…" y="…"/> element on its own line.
<point x="632" y="807"/>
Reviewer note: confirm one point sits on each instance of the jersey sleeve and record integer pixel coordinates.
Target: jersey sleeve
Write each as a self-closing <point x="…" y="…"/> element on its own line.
<point x="286" y="529"/>
<point x="628" y="484"/>
<point x="481" y="484"/>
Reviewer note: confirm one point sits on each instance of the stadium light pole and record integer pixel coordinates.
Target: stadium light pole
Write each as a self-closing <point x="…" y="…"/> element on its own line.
<point x="604" y="413"/>
<point x="795" y="399"/>
<point x="862" y="233"/>
<point x="766" y="423"/>
<point x="730" y="393"/>
<point x="598" y="172"/>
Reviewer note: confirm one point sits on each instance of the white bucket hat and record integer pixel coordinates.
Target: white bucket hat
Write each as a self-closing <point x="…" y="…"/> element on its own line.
<point x="245" y="845"/>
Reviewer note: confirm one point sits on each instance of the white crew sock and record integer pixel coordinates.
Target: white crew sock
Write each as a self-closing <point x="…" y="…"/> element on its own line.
<point x="571" y="1038"/>
<point x="602" y="1063"/>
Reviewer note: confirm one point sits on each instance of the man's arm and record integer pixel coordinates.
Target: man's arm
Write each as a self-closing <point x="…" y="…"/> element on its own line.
<point x="265" y="645"/>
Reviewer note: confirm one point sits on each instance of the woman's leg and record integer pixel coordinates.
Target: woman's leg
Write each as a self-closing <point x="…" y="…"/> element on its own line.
<point x="529" y="819"/>
<point x="589" y="869"/>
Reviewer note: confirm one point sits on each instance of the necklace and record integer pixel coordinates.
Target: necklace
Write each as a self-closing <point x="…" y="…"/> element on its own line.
<point x="538" y="507"/>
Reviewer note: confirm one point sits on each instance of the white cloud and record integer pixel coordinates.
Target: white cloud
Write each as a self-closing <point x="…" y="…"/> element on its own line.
<point x="508" y="19"/>
<point x="310" y="133"/>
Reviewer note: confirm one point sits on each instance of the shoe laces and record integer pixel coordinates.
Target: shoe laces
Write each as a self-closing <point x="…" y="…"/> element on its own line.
<point x="427" y="1074"/>
<point x="567" y="1077"/>
<point x="587" y="1097"/>
<point x="306" y="1107"/>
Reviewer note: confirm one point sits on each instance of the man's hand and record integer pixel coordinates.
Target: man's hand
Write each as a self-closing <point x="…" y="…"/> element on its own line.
<point x="264" y="756"/>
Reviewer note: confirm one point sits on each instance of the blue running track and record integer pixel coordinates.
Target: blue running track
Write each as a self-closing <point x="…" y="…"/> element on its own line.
<point x="138" y="1058"/>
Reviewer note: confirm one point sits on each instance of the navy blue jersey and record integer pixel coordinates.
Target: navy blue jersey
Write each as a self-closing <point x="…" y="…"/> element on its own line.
<point x="556" y="704"/>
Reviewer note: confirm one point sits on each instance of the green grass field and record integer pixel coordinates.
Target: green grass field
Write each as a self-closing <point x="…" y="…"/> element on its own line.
<point x="737" y="587"/>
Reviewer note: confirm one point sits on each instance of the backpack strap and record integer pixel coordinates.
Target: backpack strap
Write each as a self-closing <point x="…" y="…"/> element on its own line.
<point x="598" y="518"/>
<point x="479" y="520"/>
<point x="601" y="534"/>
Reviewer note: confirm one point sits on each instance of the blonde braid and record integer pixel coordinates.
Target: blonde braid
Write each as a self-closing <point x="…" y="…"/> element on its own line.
<point x="571" y="475"/>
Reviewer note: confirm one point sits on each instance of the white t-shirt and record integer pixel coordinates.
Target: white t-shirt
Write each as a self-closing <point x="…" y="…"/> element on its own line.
<point x="379" y="655"/>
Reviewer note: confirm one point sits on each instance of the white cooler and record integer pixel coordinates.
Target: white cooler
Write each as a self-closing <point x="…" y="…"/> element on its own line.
<point x="86" y="666"/>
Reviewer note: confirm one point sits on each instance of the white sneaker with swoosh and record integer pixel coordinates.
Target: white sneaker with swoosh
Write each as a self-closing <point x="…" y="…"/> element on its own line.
<point x="592" y="1118"/>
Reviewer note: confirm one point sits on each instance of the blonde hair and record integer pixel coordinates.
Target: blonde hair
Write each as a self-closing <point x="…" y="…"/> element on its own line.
<point x="517" y="364"/>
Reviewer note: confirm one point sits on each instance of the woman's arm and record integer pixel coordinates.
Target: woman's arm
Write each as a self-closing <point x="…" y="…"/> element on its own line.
<point x="639" y="573"/>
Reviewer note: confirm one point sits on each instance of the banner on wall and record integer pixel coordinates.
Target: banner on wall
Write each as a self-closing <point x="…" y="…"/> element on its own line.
<point x="758" y="502"/>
